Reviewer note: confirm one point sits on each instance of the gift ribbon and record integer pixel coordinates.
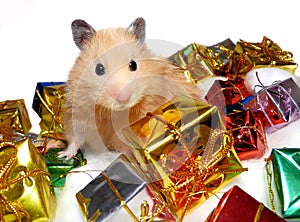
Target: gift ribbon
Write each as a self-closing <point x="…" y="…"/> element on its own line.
<point x="15" y="208"/>
<point x="268" y="88"/>
<point x="269" y="182"/>
<point x="199" y="170"/>
<point x="56" y="119"/>
<point x="145" y="216"/>
<point x="258" y="212"/>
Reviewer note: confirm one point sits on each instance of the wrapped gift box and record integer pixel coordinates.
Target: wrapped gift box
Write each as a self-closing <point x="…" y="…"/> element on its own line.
<point x="25" y="192"/>
<point x="249" y="55"/>
<point x="248" y="132"/>
<point x="283" y="177"/>
<point x="221" y="55"/>
<point x="14" y="116"/>
<point x="110" y="191"/>
<point x="276" y="105"/>
<point x="224" y="94"/>
<point x="191" y="59"/>
<point x="58" y="168"/>
<point x="238" y="205"/>
<point x="48" y="103"/>
<point x="184" y="152"/>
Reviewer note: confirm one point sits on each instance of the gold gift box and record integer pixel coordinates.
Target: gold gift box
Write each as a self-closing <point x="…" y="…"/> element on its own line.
<point x="184" y="152"/>
<point x="14" y="116"/>
<point x="192" y="60"/>
<point x="25" y="191"/>
<point x="51" y="109"/>
<point x="249" y="55"/>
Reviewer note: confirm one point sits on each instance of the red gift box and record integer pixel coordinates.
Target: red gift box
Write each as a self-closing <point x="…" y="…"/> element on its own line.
<point x="237" y="205"/>
<point x="226" y="93"/>
<point x="248" y="132"/>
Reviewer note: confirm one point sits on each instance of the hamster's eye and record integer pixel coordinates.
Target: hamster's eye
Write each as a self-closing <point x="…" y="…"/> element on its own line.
<point x="132" y="65"/>
<point x="100" y="69"/>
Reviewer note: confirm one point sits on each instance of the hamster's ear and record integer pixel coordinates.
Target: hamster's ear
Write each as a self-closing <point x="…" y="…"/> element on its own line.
<point x="137" y="27"/>
<point x="82" y="32"/>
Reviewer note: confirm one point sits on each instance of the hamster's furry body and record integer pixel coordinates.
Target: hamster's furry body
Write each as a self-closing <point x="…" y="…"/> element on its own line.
<point x="114" y="82"/>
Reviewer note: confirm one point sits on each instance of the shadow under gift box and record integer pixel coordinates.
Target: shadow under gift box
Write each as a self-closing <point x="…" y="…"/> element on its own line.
<point x="276" y="105"/>
<point x="25" y="189"/>
<point x="48" y="103"/>
<point x="237" y="205"/>
<point x="110" y="190"/>
<point x="185" y="153"/>
<point x="283" y="177"/>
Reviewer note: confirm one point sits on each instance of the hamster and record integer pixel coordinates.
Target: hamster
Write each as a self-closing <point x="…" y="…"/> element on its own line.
<point x="114" y="82"/>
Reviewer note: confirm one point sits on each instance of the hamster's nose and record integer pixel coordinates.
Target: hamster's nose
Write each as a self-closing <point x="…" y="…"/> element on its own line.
<point x="123" y="96"/>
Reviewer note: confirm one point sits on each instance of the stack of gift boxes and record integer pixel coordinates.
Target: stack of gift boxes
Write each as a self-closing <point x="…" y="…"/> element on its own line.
<point x="182" y="153"/>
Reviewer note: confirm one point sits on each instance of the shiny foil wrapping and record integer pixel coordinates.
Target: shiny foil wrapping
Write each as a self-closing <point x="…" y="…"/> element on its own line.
<point x="192" y="60"/>
<point x="48" y="102"/>
<point x="110" y="191"/>
<point x="283" y="176"/>
<point x="237" y="205"/>
<point x="221" y="55"/>
<point x="58" y="168"/>
<point x="248" y="132"/>
<point x="14" y="117"/>
<point x="226" y="93"/>
<point x="184" y="152"/>
<point x="248" y="55"/>
<point x="25" y="188"/>
<point x="276" y="105"/>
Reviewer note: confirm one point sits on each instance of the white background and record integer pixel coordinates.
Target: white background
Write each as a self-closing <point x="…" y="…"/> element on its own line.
<point x="36" y="45"/>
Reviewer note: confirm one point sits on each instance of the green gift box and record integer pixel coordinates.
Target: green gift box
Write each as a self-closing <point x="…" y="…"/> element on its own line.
<point x="283" y="176"/>
<point x="59" y="167"/>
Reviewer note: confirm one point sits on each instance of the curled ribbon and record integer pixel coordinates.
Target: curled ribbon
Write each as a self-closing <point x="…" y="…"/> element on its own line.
<point x="5" y="183"/>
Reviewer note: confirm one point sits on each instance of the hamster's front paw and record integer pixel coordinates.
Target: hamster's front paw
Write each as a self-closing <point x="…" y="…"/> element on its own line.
<point x="69" y="152"/>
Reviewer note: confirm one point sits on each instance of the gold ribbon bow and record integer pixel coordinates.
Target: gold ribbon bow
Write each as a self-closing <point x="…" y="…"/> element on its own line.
<point x="5" y="183"/>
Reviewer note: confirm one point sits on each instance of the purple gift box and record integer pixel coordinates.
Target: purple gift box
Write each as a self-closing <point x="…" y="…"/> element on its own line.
<point x="276" y="105"/>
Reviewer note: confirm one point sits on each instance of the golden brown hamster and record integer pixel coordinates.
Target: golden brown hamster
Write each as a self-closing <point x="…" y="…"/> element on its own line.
<point x="115" y="81"/>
